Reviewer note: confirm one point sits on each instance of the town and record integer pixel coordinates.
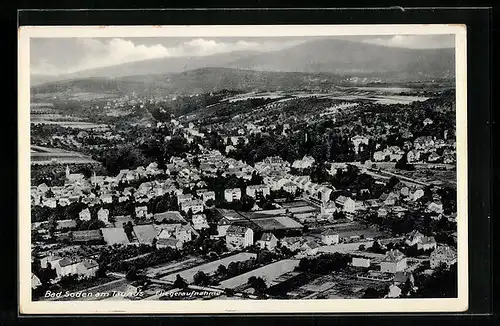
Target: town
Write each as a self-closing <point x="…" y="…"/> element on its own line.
<point x="258" y="195"/>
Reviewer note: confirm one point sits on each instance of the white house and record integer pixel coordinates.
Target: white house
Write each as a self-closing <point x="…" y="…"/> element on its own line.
<point x="258" y="191"/>
<point x="346" y="204"/>
<point x="222" y="226"/>
<point x="103" y="215"/>
<point x="141" y="212"/>
<point x="360" y="262"/>
<point x="238" y="237"/>
<point x="233" y="194"/>
<point x="199" y="221"/>
<point x="268" y="241"/>
<point x="330" y="237"/>
<point x="394" y="261"/>
<point x="84" y="215"/>
<point x="196" y="206"/>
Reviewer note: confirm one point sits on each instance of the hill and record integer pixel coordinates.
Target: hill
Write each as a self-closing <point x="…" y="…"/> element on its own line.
<point x="193" y="81"/>
<point x="355" y="58"/>
<point x="318" y="56"/>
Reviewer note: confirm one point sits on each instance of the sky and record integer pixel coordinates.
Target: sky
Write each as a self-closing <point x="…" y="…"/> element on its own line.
<point x="58" y="56"/>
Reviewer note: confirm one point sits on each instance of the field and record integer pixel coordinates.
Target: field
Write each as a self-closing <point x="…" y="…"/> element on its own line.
<point x="276" y="223"/>
<point x="45" y="155"/>
<point x="268" y="273"/>
<point x="208" y="268"/>
<point x="174" y="266"/>
<point x="73" y="124"/>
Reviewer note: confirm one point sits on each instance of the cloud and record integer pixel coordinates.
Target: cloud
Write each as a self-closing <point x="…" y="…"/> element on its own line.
<point x="415" y="41"/>
<point x="95" y="53"/>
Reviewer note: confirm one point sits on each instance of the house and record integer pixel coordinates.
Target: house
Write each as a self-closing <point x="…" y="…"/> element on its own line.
<point x="239" y="237"/>
<point x="222" y="225"/>
<point x="292" y="243"/>
<point x="393" y="262"/>
<point x="427" y="243"/>
<point x="65" y="224"/>
<point x="84" y="215"/>
<point x="413" y="156"/>
<point x="346" y="204"/>
<point x="419" y="193"/>
<point x="382" y="212"/>
<point x="106" y="198"/>
<point x="195" y="205"/>
<point x="142" y="212"/>
<point x="184" y="198"/>
<point x="328" y="208"/>
<point x="305" y="163"/>
<point x="380" y="156"/>
<point x="49" y="261"/>
<point x="183" y="233"/>
<point x="413" y="238"/>
<point x="436" y="207"/>
<point x="359" y="140"/>
<point x="67" y="266"/>
<point x="360" y="262"/>
<point x="330" y="237"/>
<point x="102" y="215"/>
<point x="168" y="217"/>
<point x="233" y="194"/>
<point x="199" y="221"/>
<point x="86" y="236"/>
<point x="289" y="187"/>
<point x="310" y="248"/>
<point x="258" y="191"/>
<point x="428" y="121"/>
<point x="267" y="241"/>
<point x="87" y="268"/>
<point x="389" y="199"/>
<point x="35" y="281"/>
<point x="443" y="254"/>
<point x="169" y="243"/>
<point x="206" y="195"/>
<point x="114" y="235"/>
<point x="433" y="157"/>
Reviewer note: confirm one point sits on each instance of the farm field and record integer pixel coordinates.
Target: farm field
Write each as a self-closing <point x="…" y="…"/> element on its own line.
<point x="208" y="268"/>
<point x="45" y="155"/>
<point x="174" y="266"/>
<point x="268" y="273"/>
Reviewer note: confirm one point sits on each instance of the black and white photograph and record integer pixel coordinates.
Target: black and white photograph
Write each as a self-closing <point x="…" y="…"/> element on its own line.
<point x="167" y="169"/>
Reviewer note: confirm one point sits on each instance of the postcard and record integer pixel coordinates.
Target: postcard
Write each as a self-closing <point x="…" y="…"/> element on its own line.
<point x="242" y="169"/>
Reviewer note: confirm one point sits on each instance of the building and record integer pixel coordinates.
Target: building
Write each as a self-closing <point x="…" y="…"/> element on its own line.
<point x="233" y="194"/>
<point x="393" y="262"/>
<point x="292" y="243"/>
<point x="305" y="163"/>
<point x="443" y="254"/>
<point x="87" y="268"/>
<point x="359" y="140"/>
<point x="330" y="237"/>
<point x="346" y="204"/>
<point x="141" y="212"/>
<point x="413" y="156"/>
<point x="436" y="207"/>
<point x="84" y="215"/>
<point x="360" y="262"/>
<point x="206" y="195"/>
<point x="199" y="221"/>
<point x="195" y="205"/>
<point x="428" y="121"/>
<point x="258" y="191"/>
<point x="169" y="243"/>
<point x="67" y="266"/>
<point x="414" y="238"/>
<point x="239" y="237"/>
<point x="427" y="243"/>
<point x="181" y="198"/>
<point x="222" y="226"/>
<point x="87" y="236"/>
<point x="310" y="248"/>
<point x="103" y="215"/>
<point x="35" y="281"/>
<point x="268" y="241"/>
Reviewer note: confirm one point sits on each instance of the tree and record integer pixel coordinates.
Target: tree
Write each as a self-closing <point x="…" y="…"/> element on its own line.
<point x="131" y="275"/>
<point x="258" y="284"/>
<point x="221" y="270"/>
<point x="179" y="282"/>
<point x="200" y="278"/>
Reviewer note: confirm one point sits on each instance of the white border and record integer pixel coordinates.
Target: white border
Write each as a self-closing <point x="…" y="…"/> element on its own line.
<point x="27" y="306"/>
